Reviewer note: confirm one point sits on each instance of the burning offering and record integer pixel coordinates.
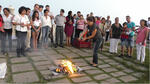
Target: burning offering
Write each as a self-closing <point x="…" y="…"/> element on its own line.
<point x="66" y="67"/>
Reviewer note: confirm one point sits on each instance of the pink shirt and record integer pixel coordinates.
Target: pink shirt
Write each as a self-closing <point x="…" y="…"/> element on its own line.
<point x="81" y="24"/>
<point x="98" y="22"/>
<point x="141" y="34"/>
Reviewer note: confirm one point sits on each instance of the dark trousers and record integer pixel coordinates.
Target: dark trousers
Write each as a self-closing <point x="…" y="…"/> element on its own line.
<point x="59" y="35"/>
<point x="97" y="44"/>
<point x="77" y="33"/>
<point x="21" y="37"/>
<point x="107" y="36"/>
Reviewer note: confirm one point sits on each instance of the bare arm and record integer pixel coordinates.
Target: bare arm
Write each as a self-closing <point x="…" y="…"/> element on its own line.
<point x="93" y="34"/>
<point x="2" y="28"/>
<point x="146" y="33"/>
<point x="110" y="33"/>
<point x="81" y="35"/>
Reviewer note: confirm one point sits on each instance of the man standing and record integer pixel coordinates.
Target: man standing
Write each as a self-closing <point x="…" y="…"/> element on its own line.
<point x="28" y="42"/>
<point x="91" y="14"/>
<point x="77" y="18"/>
<point x="47" y="7"/>
<point x="40" y="17"/>
<point x="36" y="8"/>
<point x="40" y="11"/>
<point x="60" y="21"/>
<point x="108" y="23"/>
<point x="130" y="41"/>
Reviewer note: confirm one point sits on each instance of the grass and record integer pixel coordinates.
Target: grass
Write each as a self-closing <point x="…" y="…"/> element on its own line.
<point x="145" y="77"/>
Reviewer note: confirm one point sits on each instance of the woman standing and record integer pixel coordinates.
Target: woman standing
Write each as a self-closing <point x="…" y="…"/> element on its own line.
<point x="142" y="34"/>
<point x="69" y="27"/>
<point x="80" y="25"/>
<point x="95" y="35"/>
<point x="22" y="24"/>
<point x="46" y="28"/>
<point x="7" y="18"/>
<point x="36" y="26"/>
<point x="115" y="33"/>
<point x="103" y="27"/>
<point x="98" y="21"/>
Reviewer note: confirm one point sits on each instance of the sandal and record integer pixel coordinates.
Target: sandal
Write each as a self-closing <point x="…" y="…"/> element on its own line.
<point x="94" y="65"/>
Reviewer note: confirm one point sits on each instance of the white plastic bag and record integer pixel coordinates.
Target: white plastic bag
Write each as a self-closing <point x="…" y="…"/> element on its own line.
<point x="3" y="69"/>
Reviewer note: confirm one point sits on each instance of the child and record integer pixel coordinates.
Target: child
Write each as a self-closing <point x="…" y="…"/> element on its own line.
<point x="142" y="34"/>
<point x="124" y="37"/>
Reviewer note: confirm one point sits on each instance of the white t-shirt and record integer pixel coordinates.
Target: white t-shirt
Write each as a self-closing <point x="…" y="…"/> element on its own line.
<point x="46" y="21"/>
<point x="21" y="19"/>
<point x="37" y="23"/>
<point x="148" y="23"/>
<point x="7" y="21"/>
<point x="108" y="23"/>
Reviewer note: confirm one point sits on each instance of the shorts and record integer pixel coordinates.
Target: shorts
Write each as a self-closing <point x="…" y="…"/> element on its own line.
<point x="124" y="42"/>
<point x="34" y="30"/>
<point x="130" y="43"/>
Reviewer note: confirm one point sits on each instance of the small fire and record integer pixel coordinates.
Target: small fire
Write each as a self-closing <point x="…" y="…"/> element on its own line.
<point x="66" y="67"/>
<point x="69" y="67"/>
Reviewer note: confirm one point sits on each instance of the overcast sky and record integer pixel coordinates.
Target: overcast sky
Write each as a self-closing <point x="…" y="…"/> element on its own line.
<point x="137" y="9"/>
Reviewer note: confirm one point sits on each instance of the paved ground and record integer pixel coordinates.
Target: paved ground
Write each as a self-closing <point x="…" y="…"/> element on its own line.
<point x="34" y="67"/>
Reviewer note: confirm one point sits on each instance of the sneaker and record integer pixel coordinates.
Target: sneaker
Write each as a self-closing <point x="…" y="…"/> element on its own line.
<point x="18" y="54"/>
<point x="94" y="65"/>
<point x="23" y="54"/>
<point x="55" y="46"/>
<point x="121" y="55"/>
<point x="129" y="56"/>
<point x="111" y="52"/>
<point x="62" y="46"/>
<point x="28" y="50"/>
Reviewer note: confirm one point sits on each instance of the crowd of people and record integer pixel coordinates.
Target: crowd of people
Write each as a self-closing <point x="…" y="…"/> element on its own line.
<point x="35" y="27"/>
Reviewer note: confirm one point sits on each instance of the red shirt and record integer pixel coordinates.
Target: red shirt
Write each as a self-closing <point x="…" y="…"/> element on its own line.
<point x="1" y="21"/>
<point x="123" y="35"/>
<point x="141" y="34"/>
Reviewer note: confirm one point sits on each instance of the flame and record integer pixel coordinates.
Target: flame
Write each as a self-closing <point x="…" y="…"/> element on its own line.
<point x="68" y="66"/>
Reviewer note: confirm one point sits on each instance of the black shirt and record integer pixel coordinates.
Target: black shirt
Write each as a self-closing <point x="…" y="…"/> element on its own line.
<point x="98" y="33"/>
<point x="116" y="31"/>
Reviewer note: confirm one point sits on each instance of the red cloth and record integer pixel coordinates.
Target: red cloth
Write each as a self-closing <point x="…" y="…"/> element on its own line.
<point x="1" y="21"/>
<point x="68" y="28"/>
<point x="85" y="34"/>
<point x="124" y="36"/>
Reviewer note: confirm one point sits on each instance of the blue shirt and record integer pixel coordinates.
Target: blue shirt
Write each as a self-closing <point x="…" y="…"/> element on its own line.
<point x="131" y="25"/>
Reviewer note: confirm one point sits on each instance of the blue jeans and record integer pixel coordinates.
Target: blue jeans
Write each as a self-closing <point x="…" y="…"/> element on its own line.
<point x="2" y="42"/>
<point x="97" y="44"/>
<point x="45" y="33"/>
<point x="8" y="33"/>
<point x="130" y="42"/>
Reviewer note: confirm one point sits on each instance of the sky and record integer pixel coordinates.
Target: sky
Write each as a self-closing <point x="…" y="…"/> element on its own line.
<point x="137" y="9"/>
